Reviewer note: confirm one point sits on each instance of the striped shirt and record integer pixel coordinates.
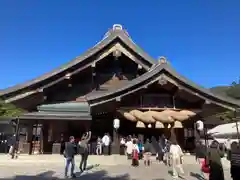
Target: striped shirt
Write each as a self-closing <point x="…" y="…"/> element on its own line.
<point x="235" y="158"/>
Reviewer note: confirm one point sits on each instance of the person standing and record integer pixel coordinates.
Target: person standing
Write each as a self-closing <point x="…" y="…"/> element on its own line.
<point x="122" y="146"/>
<point x="69" y="153"/>
<point x="177" y="155"/>
<point x="135" y="154"/>
<point x="214" y="162"/>
<point x="106" y="144"/>
<point x="140" y="147"/>
<point x="84" y="150"/>
<point x="166" y="157"/>
<point x="129" y="147"/>
<point x="160" y="149"/>
<point x="11" y="143"/>
<point x="162" y="145"/>
<point x="200" y="155"/>
<point x="147" y="153"/>
<point x="228" y="147"/>
<point x="235" y="161"/>
<point x="99" y="146"/>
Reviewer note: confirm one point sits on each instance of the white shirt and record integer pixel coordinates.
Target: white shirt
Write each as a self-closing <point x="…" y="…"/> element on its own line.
<point x="129" y="146"/>
<point x="135" y="147"/>
<point x="228" y="144"/>
<point x="106" y="140"/>
<point x="122" y="142"/>
<point x="175" y="151"/>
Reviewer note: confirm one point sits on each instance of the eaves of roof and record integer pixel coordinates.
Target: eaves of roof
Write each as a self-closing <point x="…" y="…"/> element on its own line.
<point x="112" y="35"/>
<point x="155" y="71"/>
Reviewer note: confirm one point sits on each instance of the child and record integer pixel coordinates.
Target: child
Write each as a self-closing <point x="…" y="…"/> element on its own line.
<point x="135" y="154"/>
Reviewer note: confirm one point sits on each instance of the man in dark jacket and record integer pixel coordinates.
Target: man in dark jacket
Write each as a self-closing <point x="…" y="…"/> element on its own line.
<point x="83" y="147"/>
<point x="69" y="153"/>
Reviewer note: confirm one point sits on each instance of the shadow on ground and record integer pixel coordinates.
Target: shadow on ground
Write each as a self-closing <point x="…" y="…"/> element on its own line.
<point x="196" y="175"/>
<point x="49" y="175"/>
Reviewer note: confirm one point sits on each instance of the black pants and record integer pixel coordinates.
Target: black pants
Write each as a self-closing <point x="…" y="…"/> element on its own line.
<point x="160" y="156"/>
<point x="235" y="172"/>
<point x="135" y="162"/>
<point x="106" y="150"/>
<point x="122" y="149"/>
<point x="83" y="163"/>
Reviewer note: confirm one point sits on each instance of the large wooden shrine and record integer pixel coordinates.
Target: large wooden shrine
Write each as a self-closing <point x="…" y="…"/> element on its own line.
<point x="113" y="79"/>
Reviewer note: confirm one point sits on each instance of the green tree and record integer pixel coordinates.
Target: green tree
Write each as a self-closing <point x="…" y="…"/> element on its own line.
<point x="9" y="110"/>
<point x="234" y="90"/>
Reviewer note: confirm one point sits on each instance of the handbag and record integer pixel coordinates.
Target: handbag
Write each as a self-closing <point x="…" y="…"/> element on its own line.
<point x="205" y="167"/>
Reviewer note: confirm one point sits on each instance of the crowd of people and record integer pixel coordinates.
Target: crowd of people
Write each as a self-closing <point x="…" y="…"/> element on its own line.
<point x="165" y="151"/>
<point x="134" y="149"/>
<point x="210" y="159"/>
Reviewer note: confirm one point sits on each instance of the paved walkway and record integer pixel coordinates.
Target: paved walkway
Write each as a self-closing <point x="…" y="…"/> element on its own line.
<point x="93" y="159"/>
<point x="115" y="167"/>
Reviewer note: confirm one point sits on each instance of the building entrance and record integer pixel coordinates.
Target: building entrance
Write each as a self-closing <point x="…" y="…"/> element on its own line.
<point x="78" y="128"/>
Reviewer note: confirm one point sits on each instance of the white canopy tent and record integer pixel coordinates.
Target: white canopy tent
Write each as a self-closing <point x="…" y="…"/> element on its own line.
<point x="224" y="130"/>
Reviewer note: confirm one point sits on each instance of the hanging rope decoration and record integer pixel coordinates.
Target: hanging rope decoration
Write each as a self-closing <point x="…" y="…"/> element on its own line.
<point x="159" y="118"/>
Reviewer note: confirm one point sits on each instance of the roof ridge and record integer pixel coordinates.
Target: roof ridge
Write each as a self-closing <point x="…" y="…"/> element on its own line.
<point x="115" y="32"/>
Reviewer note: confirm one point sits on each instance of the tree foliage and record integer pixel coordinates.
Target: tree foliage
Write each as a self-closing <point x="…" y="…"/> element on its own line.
<point x="9" y="110"/>
<point x="232" y="91"/>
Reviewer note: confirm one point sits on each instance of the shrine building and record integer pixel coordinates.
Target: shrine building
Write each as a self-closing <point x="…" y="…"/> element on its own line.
<point x="115" y="79"/>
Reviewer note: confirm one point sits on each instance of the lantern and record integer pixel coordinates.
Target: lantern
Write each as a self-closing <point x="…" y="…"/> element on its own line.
<point x="149" y="126"/>
<point x="116" y="123"/>
<point x="199" y="125"/>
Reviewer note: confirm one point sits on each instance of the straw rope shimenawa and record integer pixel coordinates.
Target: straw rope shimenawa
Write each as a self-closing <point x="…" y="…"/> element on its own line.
<point x="166" y="116"/>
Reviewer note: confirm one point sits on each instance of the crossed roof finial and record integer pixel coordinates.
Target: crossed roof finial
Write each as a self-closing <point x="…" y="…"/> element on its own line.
<point x="162" y="60"/>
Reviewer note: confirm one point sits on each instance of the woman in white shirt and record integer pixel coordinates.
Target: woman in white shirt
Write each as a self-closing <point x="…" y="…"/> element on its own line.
<point x="176" y="156"/>
<point x="129" y="146"/>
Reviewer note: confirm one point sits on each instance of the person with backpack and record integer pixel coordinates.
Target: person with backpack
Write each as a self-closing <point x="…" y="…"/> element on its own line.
<point x="84" y="151"/>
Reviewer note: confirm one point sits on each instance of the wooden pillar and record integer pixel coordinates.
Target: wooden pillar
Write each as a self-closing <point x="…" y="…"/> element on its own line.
<point x="115" y="143"/>
<point x="45" y="144"/>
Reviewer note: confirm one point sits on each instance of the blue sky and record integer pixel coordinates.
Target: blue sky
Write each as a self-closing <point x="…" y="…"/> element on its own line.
<point x="200" y="38"/>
